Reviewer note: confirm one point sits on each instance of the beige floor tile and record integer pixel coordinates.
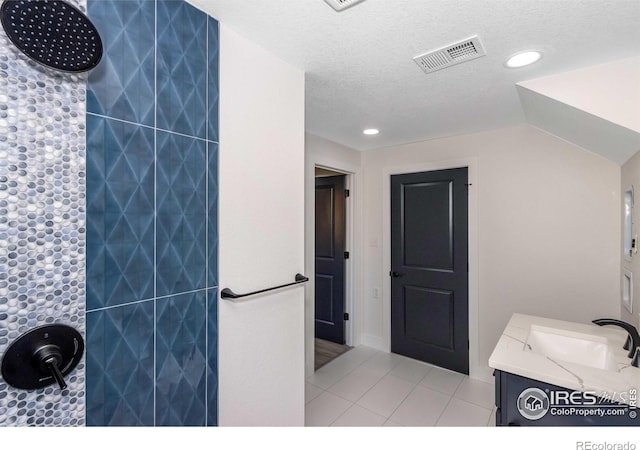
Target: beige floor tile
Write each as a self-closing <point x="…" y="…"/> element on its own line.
<point x="463" y="414"/>
<point x="422" y="407"/>
<point x="323" y="410"/>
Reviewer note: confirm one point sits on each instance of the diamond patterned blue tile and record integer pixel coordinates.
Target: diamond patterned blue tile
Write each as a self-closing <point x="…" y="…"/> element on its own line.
<point x="181" y="360"/>
<point x="181" y="214"/>
<point x="120" y="212"/>
<point x="212" y="357"/>
<point x="181" y="64"/>
<point x="213" y="78"/>
<point x="122" y="85"/>
<point x="123" y="161"/>
<point x="212" y="235"/>
<point x="120" y="376"/>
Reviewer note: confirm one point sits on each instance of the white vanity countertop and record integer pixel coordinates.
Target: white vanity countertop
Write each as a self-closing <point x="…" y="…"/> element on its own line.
<point x="510" y="356"/>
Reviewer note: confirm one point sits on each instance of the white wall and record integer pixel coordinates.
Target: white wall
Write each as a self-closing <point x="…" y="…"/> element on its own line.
<point x="328" y="154"/>
<point x="610" y="91"/>
<point x="631" y="176"/>
<point x="596" y="108"/>
<point x="261" y="349"/>
<point x="593" y="133"/>
<point x="548" y="230"/>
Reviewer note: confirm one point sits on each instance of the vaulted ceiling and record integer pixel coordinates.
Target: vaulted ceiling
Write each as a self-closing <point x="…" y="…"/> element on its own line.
<point x="360" y="71"/>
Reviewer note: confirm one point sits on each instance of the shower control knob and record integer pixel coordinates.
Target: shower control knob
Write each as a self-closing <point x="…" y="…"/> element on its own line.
<point x="48" y="358"/>
<point x="42" y="356"/>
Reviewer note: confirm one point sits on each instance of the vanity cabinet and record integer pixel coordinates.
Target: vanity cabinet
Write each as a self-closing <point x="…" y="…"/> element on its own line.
<point x="508" y="390"/>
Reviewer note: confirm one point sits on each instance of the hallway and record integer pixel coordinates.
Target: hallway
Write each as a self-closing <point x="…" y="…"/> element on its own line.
<point x="366" y="387"/>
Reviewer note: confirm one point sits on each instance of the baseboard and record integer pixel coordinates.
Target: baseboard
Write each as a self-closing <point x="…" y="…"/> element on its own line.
<point x="374" y="342"/>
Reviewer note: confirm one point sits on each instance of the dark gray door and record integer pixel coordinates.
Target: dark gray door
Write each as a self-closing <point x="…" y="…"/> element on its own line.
<point x="330" y="247"/>
<point x="429" y="267"/>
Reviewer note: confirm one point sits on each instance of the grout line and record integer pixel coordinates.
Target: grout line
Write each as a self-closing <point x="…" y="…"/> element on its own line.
<point x="155" y="202"/>
<point x="403" y="398"/>
<point x="217" y="176"/>
<point x="386" y="419"/>
<point x="182" y="134"/>
<point x="116" y="119"/>
<point x="162" y="297"/>
<point x="435" y="424"/>
<point x="150" y="127"/>
<point x="415" y="385"/>
<point x="206" y="228"/>
<point x="466" y="377"/>
<point x="451" y="397"/>
<point x="365" y="393"/>
<point x="106" y="308"/>
<point x="345" y="411"/>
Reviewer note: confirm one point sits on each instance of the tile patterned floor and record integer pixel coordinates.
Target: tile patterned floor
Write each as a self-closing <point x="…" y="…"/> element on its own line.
<point x="365" y="387"/>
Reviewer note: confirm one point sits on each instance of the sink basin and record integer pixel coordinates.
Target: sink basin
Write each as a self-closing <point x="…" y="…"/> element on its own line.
<point x="579" y="348"/>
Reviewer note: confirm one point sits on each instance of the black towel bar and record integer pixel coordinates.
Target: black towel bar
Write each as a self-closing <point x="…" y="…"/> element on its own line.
<point x="229" y="294"/>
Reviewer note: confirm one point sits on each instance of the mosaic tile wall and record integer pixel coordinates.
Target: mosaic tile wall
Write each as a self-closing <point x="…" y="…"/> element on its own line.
<point x="152" y="171"/>
<point x="42" y="223"/>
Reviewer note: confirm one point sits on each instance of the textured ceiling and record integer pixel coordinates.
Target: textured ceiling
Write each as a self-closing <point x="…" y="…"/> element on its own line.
<point x="360" y="73"/>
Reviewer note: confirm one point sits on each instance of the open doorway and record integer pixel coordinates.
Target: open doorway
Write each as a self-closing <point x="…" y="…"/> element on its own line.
<point x="331" y="256"/>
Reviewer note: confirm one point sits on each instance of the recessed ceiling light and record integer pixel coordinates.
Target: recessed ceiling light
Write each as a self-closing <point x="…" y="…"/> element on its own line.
<point x="523" y="59"/>
<point x="371" y="131"/>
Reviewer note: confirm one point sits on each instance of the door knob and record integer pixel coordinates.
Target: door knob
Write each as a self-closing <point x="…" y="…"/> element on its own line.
<point x="394" y="274"/>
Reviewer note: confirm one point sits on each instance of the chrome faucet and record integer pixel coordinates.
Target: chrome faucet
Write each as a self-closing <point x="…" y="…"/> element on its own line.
<point x="634" y="337"/>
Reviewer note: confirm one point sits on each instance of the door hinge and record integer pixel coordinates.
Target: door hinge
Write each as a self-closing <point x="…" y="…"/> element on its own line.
<point x="346" y="255"/>
<point x="347" y="193"/>
<point x="346" y="316"/>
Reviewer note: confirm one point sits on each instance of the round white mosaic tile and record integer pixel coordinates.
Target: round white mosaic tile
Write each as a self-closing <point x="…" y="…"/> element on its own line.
<point x="42" y="223"/>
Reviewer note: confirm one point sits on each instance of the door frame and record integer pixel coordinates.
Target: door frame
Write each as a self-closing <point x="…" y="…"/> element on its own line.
<point x="476" y="370"/>
<point x="352" y="265"/>
<point x="345" y="324"/>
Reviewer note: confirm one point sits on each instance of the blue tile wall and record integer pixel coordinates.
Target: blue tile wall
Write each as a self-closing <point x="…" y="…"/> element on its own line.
<point x="212" y="238"/>
<point x="120" y="212"/>
<point x="213" y="93"/>
<point x="182" y="360"/>
<point x="182" y="64"/>
<point x="123" y="84"/>
<point x="152" y="216"/>
<point x="120" y="369"/>
<point x="212" y="355"/>
<point x="182" y="210"/>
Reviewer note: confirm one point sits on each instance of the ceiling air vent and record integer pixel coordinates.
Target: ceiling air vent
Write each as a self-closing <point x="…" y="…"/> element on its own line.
<point x="339" y="5"/>
<point x="451" y="55"/>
